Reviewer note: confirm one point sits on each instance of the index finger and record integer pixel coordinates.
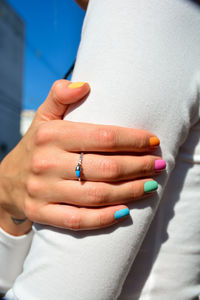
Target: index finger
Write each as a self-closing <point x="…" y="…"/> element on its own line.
<point x="77" y="137"/>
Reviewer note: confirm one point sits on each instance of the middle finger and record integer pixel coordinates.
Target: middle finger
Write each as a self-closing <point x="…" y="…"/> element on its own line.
<point x="108" y="168"/>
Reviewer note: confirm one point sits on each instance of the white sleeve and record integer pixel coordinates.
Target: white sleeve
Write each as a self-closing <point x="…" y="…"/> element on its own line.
<point x="13" y="250"/>
<point x="142" y="61"/>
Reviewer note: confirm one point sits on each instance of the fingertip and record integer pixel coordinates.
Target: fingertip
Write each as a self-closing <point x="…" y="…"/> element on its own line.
<point x="150" y="186"/>
<point x="77" y="91"/>
<point x="112" y="215"/>
<point x="67" y="92"/>
<point x="79" y="87"/>
<point x="160" y="165"/>
<point x="121" y="213"/>
<point x="76" y="85"/>
<point x="154" y="141"/>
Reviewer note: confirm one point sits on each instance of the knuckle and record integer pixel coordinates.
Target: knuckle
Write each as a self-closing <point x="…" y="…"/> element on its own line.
<point x="33" y="187"/>
<point x="43" y="135"/>
<point x="95" y="196"/>
<point x="74" y="222"/>
<point x="134" y="191"/>
<point x="37" y="163"/>
<point x="146" y="164"/>
<point x="41" y="164"/>
<point x="107" y="137"/>
<point x="110" y="169"/>
<point x="30" y="209"/>
<point x="141" y="142"/>
<point x="103" y="220"/>
<point x="56" y="89"/>
<point x="56" y="86"/>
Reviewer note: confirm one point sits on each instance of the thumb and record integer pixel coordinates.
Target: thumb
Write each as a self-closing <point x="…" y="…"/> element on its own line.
<point x="62" y="93"/>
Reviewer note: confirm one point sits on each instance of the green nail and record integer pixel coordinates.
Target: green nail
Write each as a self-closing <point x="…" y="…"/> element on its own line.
<point x="150" y="186"/>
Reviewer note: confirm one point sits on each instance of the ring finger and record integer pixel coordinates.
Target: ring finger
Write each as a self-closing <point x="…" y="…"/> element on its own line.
<point x="95" y="194"/>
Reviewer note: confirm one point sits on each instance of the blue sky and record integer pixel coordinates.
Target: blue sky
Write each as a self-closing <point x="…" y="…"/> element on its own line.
<point x="53" y="29"/>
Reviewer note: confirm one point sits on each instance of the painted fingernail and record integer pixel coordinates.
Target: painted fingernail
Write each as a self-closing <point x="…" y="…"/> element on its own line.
<point x="160" y="165"/>
<point x="75" y="85"/>
<point x="154" y="141"/>
<point x="122" y="213"/>
<point x="150" y="186"/>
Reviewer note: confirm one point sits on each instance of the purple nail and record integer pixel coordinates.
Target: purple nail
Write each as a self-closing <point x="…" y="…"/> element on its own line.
<point x="160" y="165"/>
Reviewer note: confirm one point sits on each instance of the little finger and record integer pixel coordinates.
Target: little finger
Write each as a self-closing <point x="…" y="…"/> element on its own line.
<point x="75" y="218"/>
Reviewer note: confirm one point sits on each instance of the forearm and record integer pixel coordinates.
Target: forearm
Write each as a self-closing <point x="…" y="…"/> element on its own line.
<point x="134" y="71"/>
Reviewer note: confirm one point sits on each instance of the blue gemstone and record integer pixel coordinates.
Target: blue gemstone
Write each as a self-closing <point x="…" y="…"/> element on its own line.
<point x="78" y="174"/>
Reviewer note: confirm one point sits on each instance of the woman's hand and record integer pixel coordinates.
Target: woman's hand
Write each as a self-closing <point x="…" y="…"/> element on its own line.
<point x="38" y="180"/>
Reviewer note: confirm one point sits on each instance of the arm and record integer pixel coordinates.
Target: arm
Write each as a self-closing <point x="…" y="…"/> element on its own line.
<point x="143" y="72"/>
<point x="13" y="251"/>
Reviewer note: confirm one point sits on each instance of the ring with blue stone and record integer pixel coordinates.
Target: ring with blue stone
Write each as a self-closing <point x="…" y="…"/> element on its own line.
<point x="78" y="167"/>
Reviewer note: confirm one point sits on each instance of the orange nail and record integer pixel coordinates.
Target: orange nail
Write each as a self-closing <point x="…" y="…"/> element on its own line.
<point x="154" y="141"/>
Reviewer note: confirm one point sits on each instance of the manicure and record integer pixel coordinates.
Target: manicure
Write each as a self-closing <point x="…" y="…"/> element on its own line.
<point x="75" y="85"/>
<point x="150" y="186"/>
<point x="154" y="141"/>
<point x="122" y="213"/>
<point x="159" y="165"/>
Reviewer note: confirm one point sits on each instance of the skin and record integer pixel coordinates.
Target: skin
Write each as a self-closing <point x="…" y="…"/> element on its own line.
<point x="38" y="181"/>
<point x="82" y="3"/>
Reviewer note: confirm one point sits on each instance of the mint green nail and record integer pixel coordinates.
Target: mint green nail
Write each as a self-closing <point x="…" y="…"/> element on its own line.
<point x="122" y="213"/>
<point x="150" y="186"/>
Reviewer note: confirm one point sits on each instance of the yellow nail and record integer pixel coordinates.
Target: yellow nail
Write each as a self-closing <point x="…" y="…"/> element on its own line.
<point x="75" y="85"/>
<point x="154" y="141"/>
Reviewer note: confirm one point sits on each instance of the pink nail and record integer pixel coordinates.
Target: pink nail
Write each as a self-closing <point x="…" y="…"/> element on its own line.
<point x="160" y="165"/>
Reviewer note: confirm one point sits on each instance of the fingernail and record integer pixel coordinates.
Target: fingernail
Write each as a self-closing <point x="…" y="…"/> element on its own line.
<point x="150" y="186"/>
<point x="122" y="213"/>
<point x="160" y="164"/>
<point x="154" y="141"/>
<point x="75" y="85"/>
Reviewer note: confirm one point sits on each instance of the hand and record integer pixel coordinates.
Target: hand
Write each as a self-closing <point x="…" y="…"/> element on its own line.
<point x="38" y="178"/>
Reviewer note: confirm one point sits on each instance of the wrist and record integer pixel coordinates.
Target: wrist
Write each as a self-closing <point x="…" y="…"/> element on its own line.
<point x="12" y="225"/>
<point x="11" y="221"/>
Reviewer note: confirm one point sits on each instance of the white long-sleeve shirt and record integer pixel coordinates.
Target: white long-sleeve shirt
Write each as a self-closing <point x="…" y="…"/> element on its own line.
<point x="142" y="62"/>
<point x="13" y="251"/>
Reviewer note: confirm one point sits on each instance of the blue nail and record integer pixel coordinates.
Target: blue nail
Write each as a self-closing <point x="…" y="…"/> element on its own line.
<point x="122" y="213"/>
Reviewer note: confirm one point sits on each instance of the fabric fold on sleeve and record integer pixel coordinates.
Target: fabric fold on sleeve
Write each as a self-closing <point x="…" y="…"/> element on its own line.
<point x="13" y="251"/>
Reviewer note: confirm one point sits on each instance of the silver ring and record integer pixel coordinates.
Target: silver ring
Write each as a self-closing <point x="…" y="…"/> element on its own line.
<point x="78" y="167"/>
